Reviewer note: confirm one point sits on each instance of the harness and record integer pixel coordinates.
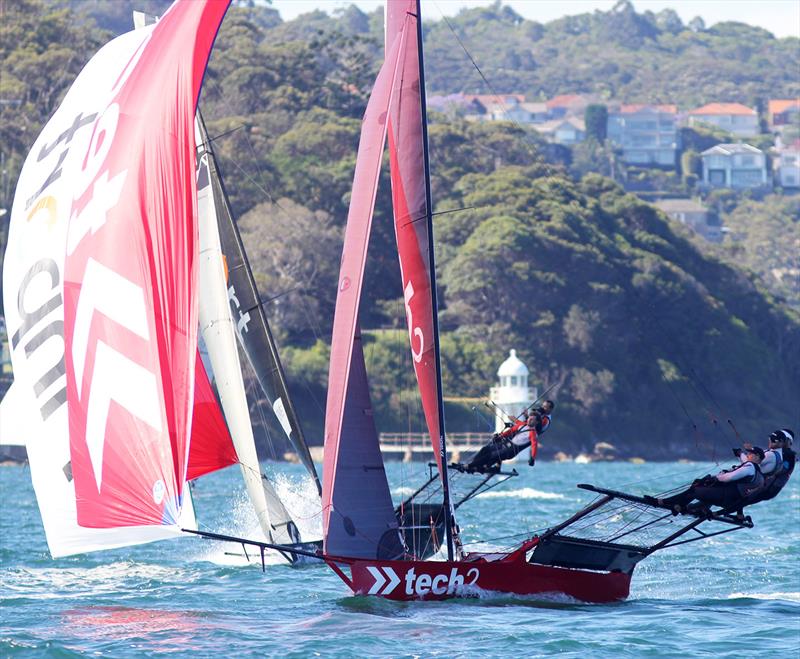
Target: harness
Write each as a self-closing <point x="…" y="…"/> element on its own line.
<point x="775" y="481"/>
<point x="753" y="485"/>
<point x="544" y="423"/>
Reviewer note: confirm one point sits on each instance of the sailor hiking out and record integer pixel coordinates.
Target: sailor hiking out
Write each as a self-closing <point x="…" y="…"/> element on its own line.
<point x="730" y="489"/>
<point x="777" y="465"/>
<point x="514" y="439"/>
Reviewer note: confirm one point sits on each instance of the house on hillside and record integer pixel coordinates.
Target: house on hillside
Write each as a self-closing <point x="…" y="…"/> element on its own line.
<point x="521" y="113"/>
<point x="481" y="106"/>
<point x="450" y="104"/>
<point x="786" y="164"/>
<point x="569" y="130"/>
<point x="737" y="166"/>
<point x="646" y="134"/>
<point x="783" y="112"/>
<point x="565" y="105"/>
<point x="694" y="215"/>
<point x="735" y="118"/>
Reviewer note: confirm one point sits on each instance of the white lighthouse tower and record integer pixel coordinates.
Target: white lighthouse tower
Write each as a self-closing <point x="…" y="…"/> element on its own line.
<point x="513" y="395"/>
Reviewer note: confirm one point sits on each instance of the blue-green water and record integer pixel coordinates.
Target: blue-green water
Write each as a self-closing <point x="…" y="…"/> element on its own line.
<point x="735" y="595"/>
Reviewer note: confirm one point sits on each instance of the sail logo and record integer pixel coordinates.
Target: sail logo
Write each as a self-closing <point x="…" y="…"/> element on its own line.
<point x="45" y="357"/>
<point x="91" y="216"/>
<point x="80" y="121"/>
<point x="408" y="293"/>
<point x="236" y="307"/>
<point x="40" y="291"/>
<point x="108" y="306"/>
<point x="49" y="205"/>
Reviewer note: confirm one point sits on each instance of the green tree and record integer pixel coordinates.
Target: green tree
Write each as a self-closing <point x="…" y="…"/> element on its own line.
<point x="596" y="118"/>
<point x="284" y="242"/>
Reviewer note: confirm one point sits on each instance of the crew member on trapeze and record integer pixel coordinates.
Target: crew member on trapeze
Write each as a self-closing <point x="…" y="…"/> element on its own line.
<point x="511" y="441"/>
<point x="731" y="489"/>
<point x="777" y="465"/>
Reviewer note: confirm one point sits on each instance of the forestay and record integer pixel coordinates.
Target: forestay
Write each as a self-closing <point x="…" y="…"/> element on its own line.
<point x="99" y="289"/>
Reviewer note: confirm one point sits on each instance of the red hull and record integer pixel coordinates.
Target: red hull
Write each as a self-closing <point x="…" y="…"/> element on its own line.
<point x="438" y="580"/>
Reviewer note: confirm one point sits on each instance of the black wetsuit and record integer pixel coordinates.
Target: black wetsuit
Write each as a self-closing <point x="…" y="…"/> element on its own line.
<point x="504" y="446"/>
<point x="718" y="491"/>
<point x="498" y="449"/>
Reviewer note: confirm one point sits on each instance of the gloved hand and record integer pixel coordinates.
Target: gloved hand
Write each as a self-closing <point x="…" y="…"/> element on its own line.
<point x="531" y="462"/>
<point x="705" y="480"/>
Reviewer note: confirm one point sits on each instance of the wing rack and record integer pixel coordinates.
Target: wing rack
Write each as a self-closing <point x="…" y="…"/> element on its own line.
<point x="617" y="530"/>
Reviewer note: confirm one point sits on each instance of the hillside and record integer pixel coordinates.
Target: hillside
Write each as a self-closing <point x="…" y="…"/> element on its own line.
<point x="619" y="54"/>
<point x="653" y="345"/>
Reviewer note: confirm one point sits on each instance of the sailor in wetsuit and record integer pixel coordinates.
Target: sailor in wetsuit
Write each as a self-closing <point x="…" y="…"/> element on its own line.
<point x="729" y="489"/>
<point x="511" y="441"/>
<point x="777" y="465"/>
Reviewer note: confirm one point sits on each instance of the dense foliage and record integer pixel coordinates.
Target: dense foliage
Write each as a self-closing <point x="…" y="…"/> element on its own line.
<point x="618" y="54"/>
<point x="766" y="240"/>
<point x="651" y="345"/>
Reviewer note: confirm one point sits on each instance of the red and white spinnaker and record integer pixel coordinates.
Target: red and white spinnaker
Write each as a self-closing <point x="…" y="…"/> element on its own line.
<point x="99" y="289"/>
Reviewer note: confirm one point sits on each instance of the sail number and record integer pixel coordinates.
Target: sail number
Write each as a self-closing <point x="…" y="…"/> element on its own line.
<point x="408" y="293"/>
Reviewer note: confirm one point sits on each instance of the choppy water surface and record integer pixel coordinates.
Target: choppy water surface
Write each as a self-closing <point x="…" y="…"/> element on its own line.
<point x="735" y="595"/>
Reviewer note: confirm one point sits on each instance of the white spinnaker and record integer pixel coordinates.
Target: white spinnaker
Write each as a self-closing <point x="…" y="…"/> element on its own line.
<point x="13" y="422"/>
<point x="219" y="335"/>
<point x="33" y="295"/>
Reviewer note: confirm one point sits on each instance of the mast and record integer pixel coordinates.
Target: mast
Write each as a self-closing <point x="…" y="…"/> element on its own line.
<point x="255" y="334"/>
<point x="448" y="510"/>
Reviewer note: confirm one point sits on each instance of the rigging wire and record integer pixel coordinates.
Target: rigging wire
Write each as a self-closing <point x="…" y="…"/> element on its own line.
<point x="534" y="152"/>
<point x="311" y="323"/>
<point x="706" y="399"/>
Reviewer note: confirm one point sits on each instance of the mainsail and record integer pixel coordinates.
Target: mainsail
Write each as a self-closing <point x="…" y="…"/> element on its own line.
<point x="411" y="200"/>
<point x="251" y="323"/>
<point x="357" y="514"/>
<point x="219" y="334"/>
<point x="99" y="289"/>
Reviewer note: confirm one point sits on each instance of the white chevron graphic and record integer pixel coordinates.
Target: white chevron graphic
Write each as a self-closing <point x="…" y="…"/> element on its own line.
<point x="117" y="378"/>
<point x="110" y="294"/>
<point x="379" y="579"/>
<point x="394" y="580"/>
<point x="378" y="574"/>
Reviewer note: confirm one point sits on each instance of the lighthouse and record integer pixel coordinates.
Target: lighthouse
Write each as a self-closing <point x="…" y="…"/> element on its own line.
<point x="512" y="395"/>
